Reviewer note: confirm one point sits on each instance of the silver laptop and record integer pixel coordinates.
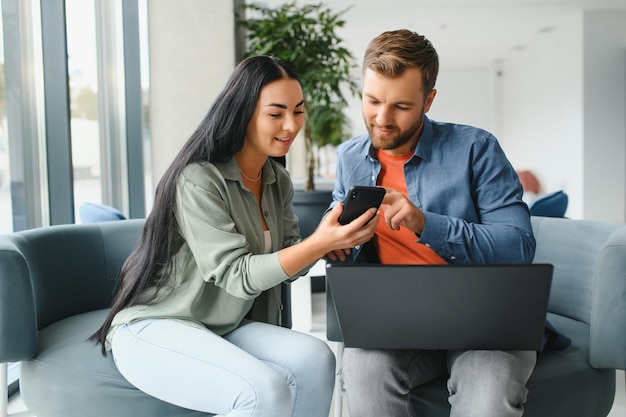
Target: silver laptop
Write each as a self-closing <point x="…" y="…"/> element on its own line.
<point x="438" y="306"/>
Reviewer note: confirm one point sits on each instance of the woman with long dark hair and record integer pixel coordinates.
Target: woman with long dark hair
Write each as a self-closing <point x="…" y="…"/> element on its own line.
<point x="195" y="320"/>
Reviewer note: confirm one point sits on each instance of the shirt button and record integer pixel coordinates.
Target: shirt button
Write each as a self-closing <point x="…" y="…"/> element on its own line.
<point x="452" y="258"/>
<point x="266" y="213"/>
<point x="427" y="245"/>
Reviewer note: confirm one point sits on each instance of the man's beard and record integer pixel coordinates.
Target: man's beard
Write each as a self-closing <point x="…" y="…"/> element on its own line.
<point x="394" y="142"/>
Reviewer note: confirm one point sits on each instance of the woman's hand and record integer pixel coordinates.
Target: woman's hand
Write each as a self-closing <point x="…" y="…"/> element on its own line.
<point x="348" y="236"/>
<point x="330" y="239"/>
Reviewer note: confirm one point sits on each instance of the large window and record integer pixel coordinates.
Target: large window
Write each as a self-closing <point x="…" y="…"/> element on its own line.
<point x="23" y="189"/>
<point x="82" y="60"/>
<point x="6" y="212"/>
<point x="72" y="109"/>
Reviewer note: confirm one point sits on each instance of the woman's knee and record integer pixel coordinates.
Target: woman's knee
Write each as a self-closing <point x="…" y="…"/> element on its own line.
<point x="319" y="355"/>
<point x="267" y="394"/>
<point x="314" y="357"/>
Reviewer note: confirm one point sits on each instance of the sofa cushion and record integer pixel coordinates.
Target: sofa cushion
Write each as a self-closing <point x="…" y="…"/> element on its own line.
<point x="566" y="378"/>
<point x="562" y="381"/>
<point x="69" y="375"/>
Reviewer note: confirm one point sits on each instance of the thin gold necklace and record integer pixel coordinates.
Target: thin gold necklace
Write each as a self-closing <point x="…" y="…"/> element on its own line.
<point x="250" y="179"/>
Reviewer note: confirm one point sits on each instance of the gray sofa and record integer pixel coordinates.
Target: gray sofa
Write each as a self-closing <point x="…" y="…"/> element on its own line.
<point x="587" y="304"/>
<point x="55" y="286"/>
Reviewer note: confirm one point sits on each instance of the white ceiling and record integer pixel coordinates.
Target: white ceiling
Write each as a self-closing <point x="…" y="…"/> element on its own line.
<point x="466" y="33"/>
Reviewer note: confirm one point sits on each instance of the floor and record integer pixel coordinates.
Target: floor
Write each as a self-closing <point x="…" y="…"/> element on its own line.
<point x="17" y="409"/>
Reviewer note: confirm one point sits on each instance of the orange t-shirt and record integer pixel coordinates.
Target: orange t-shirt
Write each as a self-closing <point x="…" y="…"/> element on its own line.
<point x="399" y="246"/>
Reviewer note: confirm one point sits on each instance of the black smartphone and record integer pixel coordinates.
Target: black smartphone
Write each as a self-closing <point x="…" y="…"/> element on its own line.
<point x="359" y="200"/>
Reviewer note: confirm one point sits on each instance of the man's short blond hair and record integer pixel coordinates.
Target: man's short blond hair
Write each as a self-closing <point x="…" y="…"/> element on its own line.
<point x="391" y="53"/>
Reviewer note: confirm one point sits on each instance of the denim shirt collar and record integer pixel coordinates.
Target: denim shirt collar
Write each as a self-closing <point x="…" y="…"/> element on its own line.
<point x="424" y="146"/>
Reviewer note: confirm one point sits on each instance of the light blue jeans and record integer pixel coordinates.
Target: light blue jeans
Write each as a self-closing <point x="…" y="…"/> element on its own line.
<point x="482" y="383"/>
<point x="256" y="370"/>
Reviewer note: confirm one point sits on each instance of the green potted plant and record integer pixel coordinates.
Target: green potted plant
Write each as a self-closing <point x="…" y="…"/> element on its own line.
<point x="305" y="36"/>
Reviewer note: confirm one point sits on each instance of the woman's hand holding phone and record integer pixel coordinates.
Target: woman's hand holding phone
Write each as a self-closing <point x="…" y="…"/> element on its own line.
<point x="353" y="234"/>
<point x="358" y="217"/>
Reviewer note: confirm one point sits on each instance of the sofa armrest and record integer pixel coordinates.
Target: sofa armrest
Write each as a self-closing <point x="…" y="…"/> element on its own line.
<point x="589" y="282"/>
<point x="75" y="268"/>
<point x="18" y="324"/>
<point x="608" y="315"/>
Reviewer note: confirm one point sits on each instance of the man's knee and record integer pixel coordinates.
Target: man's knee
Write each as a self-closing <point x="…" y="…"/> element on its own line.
<point x="489" y="383"/>
<point x="395" y="370"/>
<point x="364" y="365"/>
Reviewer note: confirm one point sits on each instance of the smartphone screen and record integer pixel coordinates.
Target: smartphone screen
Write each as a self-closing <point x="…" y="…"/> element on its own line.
<point x="359" y="200"/>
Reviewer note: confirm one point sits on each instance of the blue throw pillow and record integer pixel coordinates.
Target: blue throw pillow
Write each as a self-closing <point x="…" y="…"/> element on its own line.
<point x="550" y="205"/>
<point x="96" y="213"/>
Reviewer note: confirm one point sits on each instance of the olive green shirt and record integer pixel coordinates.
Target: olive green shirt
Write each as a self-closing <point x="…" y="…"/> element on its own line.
<point x="220" y="274"/>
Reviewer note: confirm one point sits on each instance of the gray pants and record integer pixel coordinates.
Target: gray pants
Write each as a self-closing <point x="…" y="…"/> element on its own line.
<point x="481" y="384"/>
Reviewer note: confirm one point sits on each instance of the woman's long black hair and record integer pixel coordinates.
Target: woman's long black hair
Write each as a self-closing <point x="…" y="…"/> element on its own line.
<point x="218" y="137"/>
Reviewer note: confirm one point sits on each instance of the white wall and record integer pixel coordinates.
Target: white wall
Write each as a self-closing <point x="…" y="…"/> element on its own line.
<point x="192" y="54"/>
<point x="466" y="97"/>
<point x="563" y="112"/>
<point x="604" y="98"/>
<point x="542" y="110"/>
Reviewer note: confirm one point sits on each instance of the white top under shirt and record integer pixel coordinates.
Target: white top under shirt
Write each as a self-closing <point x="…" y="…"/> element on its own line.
<point x="268" y="241"/>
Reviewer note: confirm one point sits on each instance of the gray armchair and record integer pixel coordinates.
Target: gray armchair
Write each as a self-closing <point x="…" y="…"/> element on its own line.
<point x="56" y="284"/>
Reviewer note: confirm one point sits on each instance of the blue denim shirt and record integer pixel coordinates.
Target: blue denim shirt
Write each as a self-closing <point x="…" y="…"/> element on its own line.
<point x="461" y="179"/>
